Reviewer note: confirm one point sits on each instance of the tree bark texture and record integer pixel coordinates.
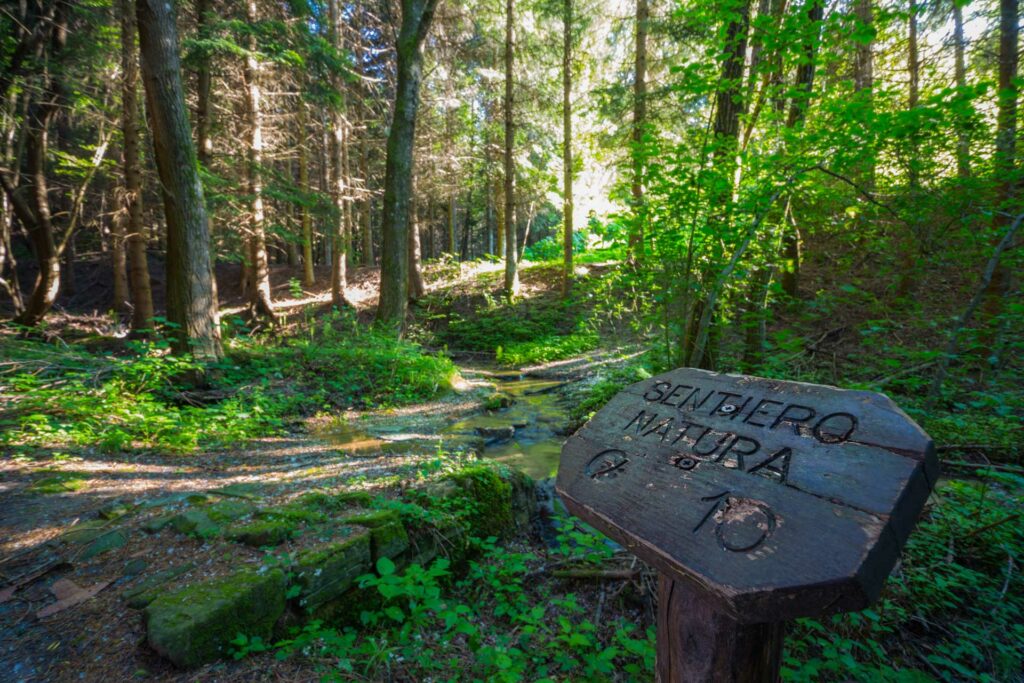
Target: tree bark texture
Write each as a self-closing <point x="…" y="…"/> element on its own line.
<point x="636" y="236"/>
<point x="260" y="301"/>
<point x="134" y="231"/>
<point x="191" y="288"/>
<point x="417" y="16"/>
<point x="567" y="207"/>
<point x="1005" y="156"/>
<point x="511" y="250"/>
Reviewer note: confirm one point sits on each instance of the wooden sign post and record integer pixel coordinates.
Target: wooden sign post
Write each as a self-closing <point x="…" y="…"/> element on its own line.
<point x="759" y="501"/>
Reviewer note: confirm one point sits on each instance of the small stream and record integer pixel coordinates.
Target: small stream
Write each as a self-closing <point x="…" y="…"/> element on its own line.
<point x="527" y="434"/>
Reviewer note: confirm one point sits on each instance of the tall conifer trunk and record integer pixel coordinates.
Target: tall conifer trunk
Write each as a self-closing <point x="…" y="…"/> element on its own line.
<point x="511" y="250"/>
<point x="417" y="16"/>
<point x="135" y="234"/>
<point x="567" y="208"/>
<point x="636" y="235"/>
<point x="191" y="288"/>
<point x="1005" y="159"/>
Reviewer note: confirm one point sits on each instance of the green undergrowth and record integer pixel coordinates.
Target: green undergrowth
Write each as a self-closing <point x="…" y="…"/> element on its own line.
<point x="952" y="609"/>
<point x="142" y="397"/>
<point x="539" y="327"/>
<point x="495" y="624"/>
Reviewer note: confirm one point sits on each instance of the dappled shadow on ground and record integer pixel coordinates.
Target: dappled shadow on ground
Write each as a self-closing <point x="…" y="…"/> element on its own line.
<point x="102" y="638"/>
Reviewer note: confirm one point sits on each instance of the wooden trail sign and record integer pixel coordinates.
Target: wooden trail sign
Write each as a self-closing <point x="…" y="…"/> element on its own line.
<point x="758" y="500"/>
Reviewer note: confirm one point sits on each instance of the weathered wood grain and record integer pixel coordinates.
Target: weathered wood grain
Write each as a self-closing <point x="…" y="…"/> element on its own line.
<point x="697" y="643"/>
<point x="778" y="499"/>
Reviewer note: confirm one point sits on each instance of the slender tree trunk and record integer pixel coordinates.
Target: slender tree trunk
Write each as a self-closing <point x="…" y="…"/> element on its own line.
<point x="417" y="288"/>
<point x="567" y="208"/>
<point x="1005" y="161"/>
<point x="141" y="291"/>
<point x="701" y="348"/>
<point x="453" y="208"/>
<point x="367" y="213"/>
<point x="35" y="217"/>
<point x="963" y="146"/>
<point x="119" y="264"/>
<point x="417" y="16"/>
<point x="191" y="288"/>
<point x="511" y="250"/>
<point x="348" y="199"/>
<point x="636" y="236"/>
<point x="864" y="80"/>
<point x="260" y="300"/>
<point x="466" y="225"/>
<point x="339" y="190"/>
<point x="204" y="141"/>
<point x="308" y="274"/>
<point x="791" y="253"/>
<point x="907" y="241"/>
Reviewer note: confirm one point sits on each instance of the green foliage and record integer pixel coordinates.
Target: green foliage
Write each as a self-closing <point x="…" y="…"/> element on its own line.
<point x="494" y="625"/>
<point x="551" y="247"/>
<point x="340" y="363"/>
<point x="952" y="608"/>
<point x="605" y="388"/>
<point x="58" y="481"/>
<point x="548" y="348"/>
<point x="66" y="396"/>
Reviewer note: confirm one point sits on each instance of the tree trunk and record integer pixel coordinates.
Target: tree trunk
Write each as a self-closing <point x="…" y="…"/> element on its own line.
<point x="417" y="16"/>
<point x="417" y="288"/>
<point x="367" y="213"/>
<point x="511" y="251"/>
<point x="260" y="301"/>
<point x="567" y="213"/>
<point x="453" y="208"/>
<point x="636" y="235"/>
<point x="797" y="112"/>
<point x="120" y="227"/>
<point x="191" y="288"/>
<point x="963" y="146"/>
<point x="35" y="217"/>
<point x="339" y="189"/>
<point x="466" y="225"/>
<point x="864" y="79"/>
<point x="204" y="141"/>
<point x="1005" y="162"/>
<point x="907" y="245"/>
<point x="308" y="274"/>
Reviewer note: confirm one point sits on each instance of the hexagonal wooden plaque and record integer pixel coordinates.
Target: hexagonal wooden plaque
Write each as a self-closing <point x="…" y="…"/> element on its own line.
<point x="780" y="499"/>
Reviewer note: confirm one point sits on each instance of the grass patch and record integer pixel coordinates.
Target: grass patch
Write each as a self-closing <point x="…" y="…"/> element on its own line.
<point x="546" y="349"/>
<point x="145" y="398"/>
<point x="59" y="482"/>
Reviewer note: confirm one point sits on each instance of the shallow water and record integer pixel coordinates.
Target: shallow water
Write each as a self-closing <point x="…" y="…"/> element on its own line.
<point x="527" y="435"/>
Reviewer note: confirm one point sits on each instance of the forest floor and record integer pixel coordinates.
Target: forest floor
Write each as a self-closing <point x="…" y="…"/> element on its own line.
<point x="576" y="354"/>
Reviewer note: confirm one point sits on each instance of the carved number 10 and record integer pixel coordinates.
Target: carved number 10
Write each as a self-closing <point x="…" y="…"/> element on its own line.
<point x="743" y="524"/>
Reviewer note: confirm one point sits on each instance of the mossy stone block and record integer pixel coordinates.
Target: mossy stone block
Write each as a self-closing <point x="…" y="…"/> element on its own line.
<point x="262" y="533"/>
<point x="147" y="590"/>
<point x="111" y="540"/>
<point x="294" y="513"/>
<point x="327" y="571"/>
<point x="195" y="625"/>
<point x="489" y="501"/>
<point x="85" y="532"/>
<point x="195" y="523"/>
<point x="155" y="524"/>
<point x="389" y="540"/>
<point x="524" y="497"/>
<point x="372" y="518"/>
<point x="228" y="510"/>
